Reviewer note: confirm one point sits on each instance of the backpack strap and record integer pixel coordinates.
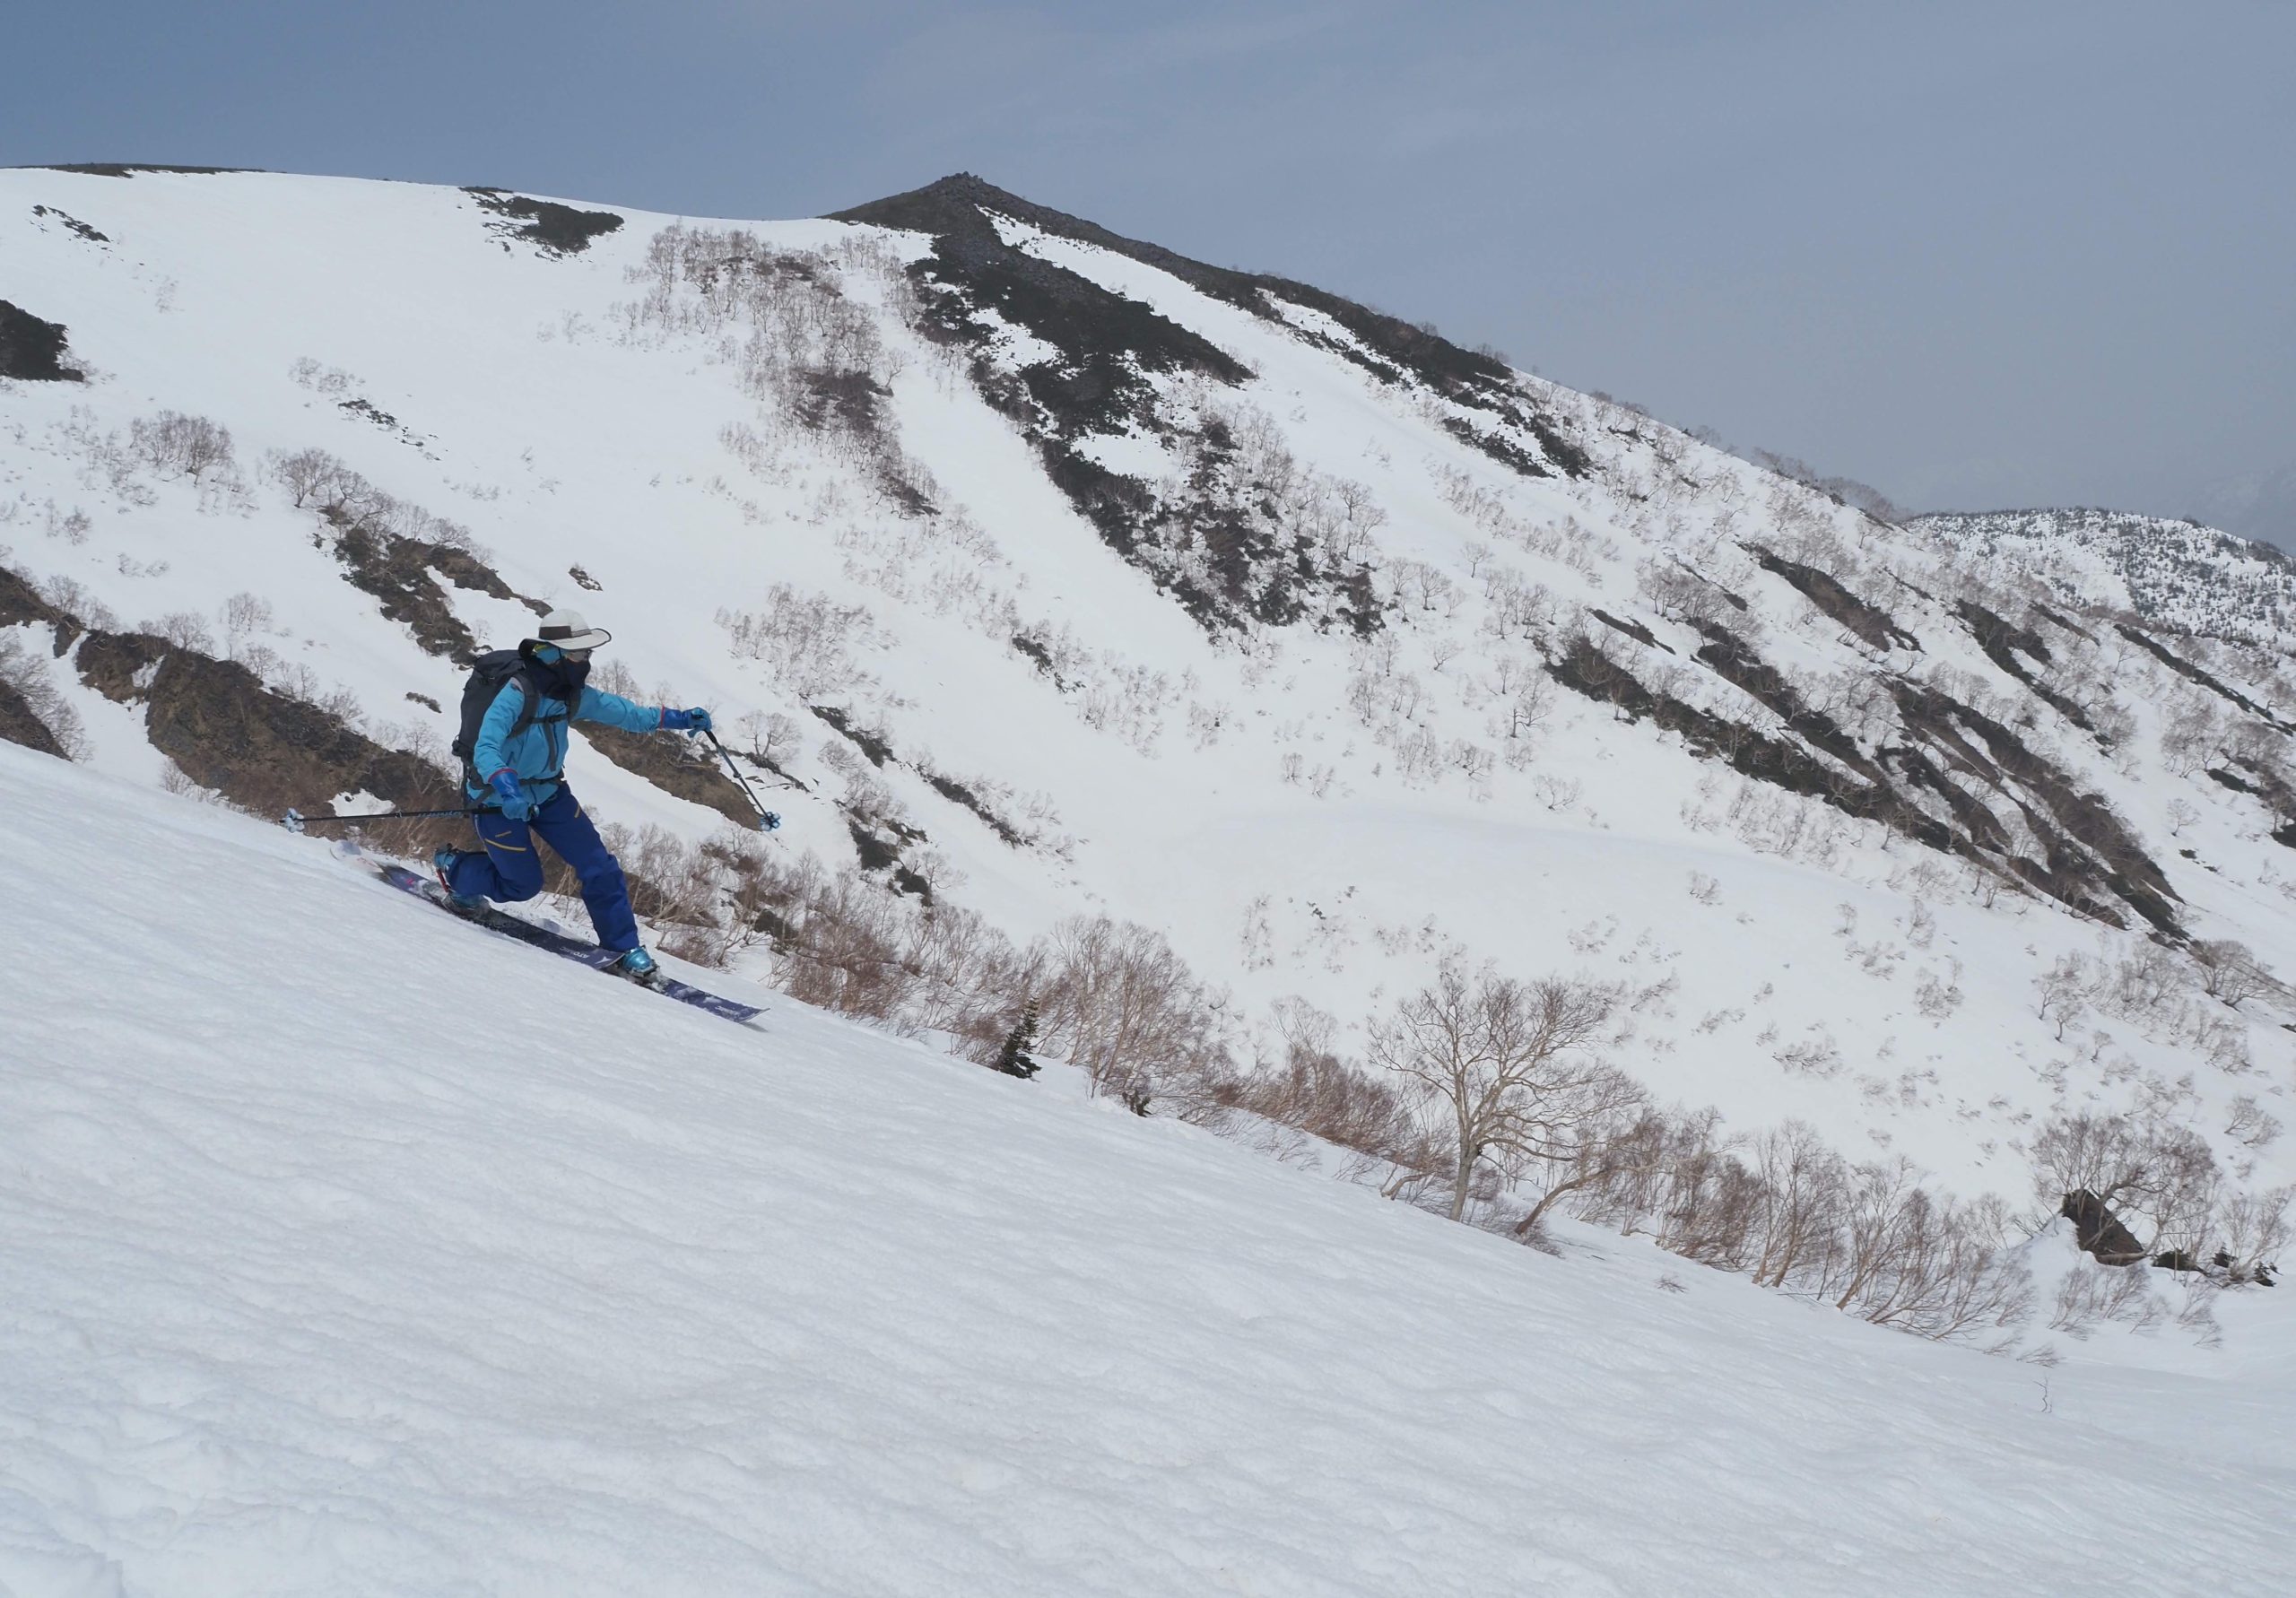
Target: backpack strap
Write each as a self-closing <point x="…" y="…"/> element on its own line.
<point x="531" y="694"/>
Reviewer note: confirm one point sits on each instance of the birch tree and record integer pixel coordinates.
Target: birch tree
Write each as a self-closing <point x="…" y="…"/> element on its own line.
<point x="1504" y="1066"/>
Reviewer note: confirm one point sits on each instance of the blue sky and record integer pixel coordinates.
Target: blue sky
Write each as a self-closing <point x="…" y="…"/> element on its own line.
<point x="1976" y="254"/>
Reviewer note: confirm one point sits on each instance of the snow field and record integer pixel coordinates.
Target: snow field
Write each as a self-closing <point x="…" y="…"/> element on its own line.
<point x="344" y="1248"/>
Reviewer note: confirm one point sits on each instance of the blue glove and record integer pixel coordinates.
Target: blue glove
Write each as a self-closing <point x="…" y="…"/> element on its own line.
<point x="512" y="793"/>
<point x="696" y="720"/>
<point x="769" y="822"/>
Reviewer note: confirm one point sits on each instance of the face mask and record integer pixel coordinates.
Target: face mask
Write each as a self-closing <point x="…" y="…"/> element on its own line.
<point x="570" y="666"/>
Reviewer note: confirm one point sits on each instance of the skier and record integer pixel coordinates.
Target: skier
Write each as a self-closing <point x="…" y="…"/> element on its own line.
<point x="515" y="763"/>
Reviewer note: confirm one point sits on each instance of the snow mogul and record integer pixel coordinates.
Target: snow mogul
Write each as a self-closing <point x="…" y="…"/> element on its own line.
<point x="515" y="707"/>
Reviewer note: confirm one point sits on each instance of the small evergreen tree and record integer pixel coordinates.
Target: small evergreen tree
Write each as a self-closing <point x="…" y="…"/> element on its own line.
<point x="1014" y="1059"/>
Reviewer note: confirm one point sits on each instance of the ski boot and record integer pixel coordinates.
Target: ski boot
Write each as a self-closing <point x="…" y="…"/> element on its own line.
<point x="639" y="968"/>
<point x="443" y="865"/>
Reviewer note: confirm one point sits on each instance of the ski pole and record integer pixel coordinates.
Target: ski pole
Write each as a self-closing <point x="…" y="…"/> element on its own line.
<point x="787" y="782"/>
<point x="767" y="820"/>
<point x="295" y="821"/>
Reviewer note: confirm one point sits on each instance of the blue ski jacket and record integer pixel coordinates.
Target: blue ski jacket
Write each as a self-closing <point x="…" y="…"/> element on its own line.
<point x="538" y="754"/>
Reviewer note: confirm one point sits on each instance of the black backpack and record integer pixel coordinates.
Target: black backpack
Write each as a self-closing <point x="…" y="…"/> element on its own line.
<point x="488" y="674"/>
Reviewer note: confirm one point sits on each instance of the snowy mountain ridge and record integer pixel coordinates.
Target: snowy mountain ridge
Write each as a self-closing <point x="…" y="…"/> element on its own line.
<point x="1057" y="576"/>
<point x="2176" y="574"/>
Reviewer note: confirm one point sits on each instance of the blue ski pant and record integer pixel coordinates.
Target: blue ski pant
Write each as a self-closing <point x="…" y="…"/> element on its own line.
<point x="511" y="868"/>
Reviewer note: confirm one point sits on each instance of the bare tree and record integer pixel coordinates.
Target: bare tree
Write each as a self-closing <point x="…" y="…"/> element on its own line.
<point x="2161" y="1175"/>
<point x="1321" y="1094"/>
<point x="245" y="614"/>
<point x="1504" y="1064"/>
<point x="188" y="446"/>
<point x="24" y="671"/>
<point x="1803" y="1197"/>
<point x="184" y="629"/>
<point x="309" y="475"/>
<point x="2255" y="1230"/>
<point x="1614" y="1148"/>
<point x="2063" y="990"/>
<point x="1121" y="1004"/>
<point x="1940" y="1272"/>
<point x="2248" y="1123"/>
<point x="2231" y="971"/>
<point x="2101" y="1155"/>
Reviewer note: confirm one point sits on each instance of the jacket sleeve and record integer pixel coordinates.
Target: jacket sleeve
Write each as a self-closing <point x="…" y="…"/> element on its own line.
<point x="491" y="752"/>
<point x="618" y="712"/>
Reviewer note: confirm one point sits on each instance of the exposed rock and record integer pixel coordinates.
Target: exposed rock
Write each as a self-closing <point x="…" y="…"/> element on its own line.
<point x="124" y="169"/>
<point x="878" y="854"/>
<point x="2004" y="641"/>
<point x="2208" y="680"/>
<point x="1388" y="347"/>
<point x="20" y="602"/>
<point x="552" y="229"/>
<point x="2090" y="858"/>
<point x="72" y="225"/>
<point x="119" y="666"/>
<point x="875" y="745"/>
<point x="1641" y="633"/>
<point x="1215" y="543"/>
<point x="671" y="764"/>
<point x="1587" y="669"/>
<point x="228" y="732"/>
<point x="216" y="721"/>
<point x="399" y="571"/>
<point x="957" y="792"/>
<point x="2091" y="851"/>
<point x="2099" y="1231"/>
<point x="31" y="351"/>
<point x="1868" y="622"/>
<point x="20" y="724"/>
<point x="1735" y="661"/>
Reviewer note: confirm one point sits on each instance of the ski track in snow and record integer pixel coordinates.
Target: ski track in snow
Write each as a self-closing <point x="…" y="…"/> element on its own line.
<point x="344" y="1248"/>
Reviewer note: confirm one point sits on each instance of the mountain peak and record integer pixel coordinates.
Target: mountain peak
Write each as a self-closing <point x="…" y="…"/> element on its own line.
<point x="960" y="205"/>
<point x="955" y="210"/>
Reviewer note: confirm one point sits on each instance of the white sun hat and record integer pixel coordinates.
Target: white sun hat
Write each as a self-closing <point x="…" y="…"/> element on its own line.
<point x="568" y="631"/>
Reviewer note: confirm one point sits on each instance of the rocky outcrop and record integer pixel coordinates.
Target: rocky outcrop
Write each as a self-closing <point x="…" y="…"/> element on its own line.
<point x="20" y="601"/>
<point x="230" y="735"/>
<point x="671" y="764"/>
<point x="1211" y="534"/>
<point x="2099" y="1231"/>
<point x="31" y="351"/>
<point x="552" y="229"/>
<point x="19" y="724"/>
<point x="403" y="573"/>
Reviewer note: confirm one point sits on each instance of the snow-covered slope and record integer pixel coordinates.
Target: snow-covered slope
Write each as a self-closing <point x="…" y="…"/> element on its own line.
<point x="1069" y="576"/>
<point x="2181" y="576"/>
<point x="346" y="1249"/>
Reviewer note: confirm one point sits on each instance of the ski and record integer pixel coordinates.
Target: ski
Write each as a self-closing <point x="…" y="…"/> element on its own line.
<point x="538" y="937"/>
